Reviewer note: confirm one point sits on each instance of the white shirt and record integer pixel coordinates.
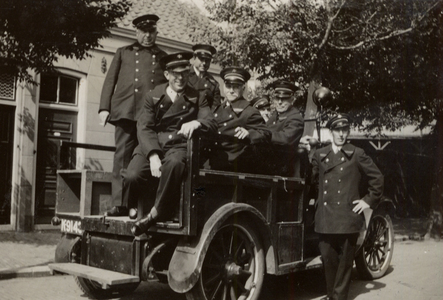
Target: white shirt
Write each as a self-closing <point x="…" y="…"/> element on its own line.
<point x="172" y="94"/>
<point x="197" y="72"/>
<point x="336" y="148"/>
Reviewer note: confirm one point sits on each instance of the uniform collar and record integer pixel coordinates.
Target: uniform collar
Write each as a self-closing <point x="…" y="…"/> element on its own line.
<point x="238" y="106"/>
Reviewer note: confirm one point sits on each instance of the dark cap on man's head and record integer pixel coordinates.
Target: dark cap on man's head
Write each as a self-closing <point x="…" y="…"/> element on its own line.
<point x="339" y="121"/>
<point x="284" y="89"/>
<point x="261" y="102"/>
<point x="176" y="60"/>
<point x="235" y="75"/>
<point x="204" y="50"/>
<point x="145" y="22"/>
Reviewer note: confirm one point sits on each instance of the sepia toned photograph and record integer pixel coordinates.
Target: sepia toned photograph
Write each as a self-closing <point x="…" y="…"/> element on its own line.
<point x="221" y="149"/>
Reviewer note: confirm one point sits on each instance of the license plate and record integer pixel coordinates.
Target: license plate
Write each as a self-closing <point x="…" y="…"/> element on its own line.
<point x="71" y="226"/>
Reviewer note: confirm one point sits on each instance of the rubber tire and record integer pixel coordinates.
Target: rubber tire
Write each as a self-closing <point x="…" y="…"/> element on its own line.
<point x="242" y="231"/>
<point x="375" y="255"/>
<point x="94" y="289"/>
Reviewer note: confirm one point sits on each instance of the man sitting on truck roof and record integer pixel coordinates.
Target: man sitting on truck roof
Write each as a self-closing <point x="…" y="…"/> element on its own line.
<point x="237" y="118"/>
<point x="171" y="113"/>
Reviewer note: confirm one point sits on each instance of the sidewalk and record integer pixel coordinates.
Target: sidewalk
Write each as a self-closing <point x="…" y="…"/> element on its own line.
<point x="28" y="254"/>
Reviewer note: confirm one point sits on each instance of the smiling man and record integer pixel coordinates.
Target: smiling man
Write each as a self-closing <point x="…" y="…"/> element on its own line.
<point x="237" y="118"/>
<point x="172" y="112"/>
<point x="134" y="71"/>
<point x="339" y="170"/>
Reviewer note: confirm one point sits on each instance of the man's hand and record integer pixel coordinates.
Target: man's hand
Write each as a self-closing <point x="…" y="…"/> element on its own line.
<point x="155" y="164"/>
<point x="188" y="128"/>
<point x="104" y="115"/>
<point x="241" y="133"/>
<point x="360" y="206"/>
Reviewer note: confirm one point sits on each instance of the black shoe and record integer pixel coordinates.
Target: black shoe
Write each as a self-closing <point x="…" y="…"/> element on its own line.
<point x="133" y="213"/>
<point x="141" y="226"/>
<point x="117" y="211"/>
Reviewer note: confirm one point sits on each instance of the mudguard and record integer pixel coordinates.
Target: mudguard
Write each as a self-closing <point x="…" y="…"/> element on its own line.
<point x="186" y="263"/>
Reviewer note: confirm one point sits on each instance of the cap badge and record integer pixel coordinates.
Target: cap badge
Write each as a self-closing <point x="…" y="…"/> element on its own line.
<point x="179" y="56"/>
<point x="234" y="70"/>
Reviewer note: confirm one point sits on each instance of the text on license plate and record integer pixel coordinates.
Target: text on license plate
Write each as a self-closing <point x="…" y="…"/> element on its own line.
<point x="71" y="226"/>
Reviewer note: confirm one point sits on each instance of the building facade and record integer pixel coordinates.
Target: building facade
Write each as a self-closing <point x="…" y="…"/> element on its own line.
<point x="35" y="118"/>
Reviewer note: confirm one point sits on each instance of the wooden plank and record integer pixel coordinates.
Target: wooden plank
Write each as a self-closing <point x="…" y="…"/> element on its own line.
<point x="104" y="277"/>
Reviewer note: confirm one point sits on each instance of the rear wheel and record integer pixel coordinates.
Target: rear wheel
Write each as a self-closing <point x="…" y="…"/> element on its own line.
<point x="374" y="257"/>
<point x="233" y="267"/>
<point x="94" y="290"/>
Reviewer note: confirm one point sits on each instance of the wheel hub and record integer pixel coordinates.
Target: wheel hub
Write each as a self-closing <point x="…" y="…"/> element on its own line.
<point x="232" y="269"/>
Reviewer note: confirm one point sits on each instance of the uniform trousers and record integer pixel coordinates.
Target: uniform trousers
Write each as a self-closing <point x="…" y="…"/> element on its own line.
<point x="137" y="180"/>
<point x="125" y="142"/>
<point x="338" y="251"/>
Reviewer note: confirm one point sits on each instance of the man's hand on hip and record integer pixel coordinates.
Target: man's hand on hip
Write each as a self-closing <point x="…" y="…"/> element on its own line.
<point x="360" y="206"/>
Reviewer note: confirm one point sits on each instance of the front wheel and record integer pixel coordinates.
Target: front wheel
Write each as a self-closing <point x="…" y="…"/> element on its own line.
<point x="374" y="257"/>
<point x="94" y="289"/>
<point x="233" y="267"/>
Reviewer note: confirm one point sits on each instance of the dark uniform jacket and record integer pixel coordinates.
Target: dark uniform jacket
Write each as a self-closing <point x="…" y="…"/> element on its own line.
<point x="161" y="119"/>
<point x="240" y="114"/>
<point x="287" y="130"/>
<point x="134" y="71"/>
<point x="339" y="178"/>
<point x="207" y="86"/>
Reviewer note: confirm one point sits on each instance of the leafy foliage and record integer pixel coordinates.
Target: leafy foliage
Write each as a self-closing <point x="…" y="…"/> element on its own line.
<point x="381" y="58"/>
<point x="34" y="33"/>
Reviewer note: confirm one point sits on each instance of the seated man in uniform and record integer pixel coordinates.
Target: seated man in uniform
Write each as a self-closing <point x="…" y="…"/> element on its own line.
<point x="171" y="113"/>
<point x="263" y="105"/>
<point x="286" y="124"/>
<point x="199" y="77"/>
<point x="237" y="118"/>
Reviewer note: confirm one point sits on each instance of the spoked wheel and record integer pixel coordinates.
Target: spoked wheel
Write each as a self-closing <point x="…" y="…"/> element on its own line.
<point x="374" y="257"/>
<point x="94" y="289"/>
<point x="233" y="267"/>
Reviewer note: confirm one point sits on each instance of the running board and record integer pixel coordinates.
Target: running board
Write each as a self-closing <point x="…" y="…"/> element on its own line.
<point x="105" y="277"/>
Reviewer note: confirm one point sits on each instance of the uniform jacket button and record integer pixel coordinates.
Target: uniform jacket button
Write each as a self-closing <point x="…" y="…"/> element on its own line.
<point x="325" y="203"/>
<point x="338" y="191"/>
<point x="170" y="136"/>
<point x="153" y="56"/>
<point x="152" y="80"/>
<point x="325" y="192"/>
<point x="136" y="70"/>
<point x="136" y="90"/>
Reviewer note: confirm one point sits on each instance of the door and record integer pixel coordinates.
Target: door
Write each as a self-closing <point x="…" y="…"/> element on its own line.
<point x="6" y="142"/>
<point x="54" y="126"/>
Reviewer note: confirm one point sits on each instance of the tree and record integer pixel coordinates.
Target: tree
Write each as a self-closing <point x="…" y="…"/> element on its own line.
<point x="382" y="58"/>
<point x="35" y="33"/>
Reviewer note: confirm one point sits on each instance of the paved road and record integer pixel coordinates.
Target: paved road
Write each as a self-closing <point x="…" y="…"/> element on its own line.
<point x="416" y="273"/>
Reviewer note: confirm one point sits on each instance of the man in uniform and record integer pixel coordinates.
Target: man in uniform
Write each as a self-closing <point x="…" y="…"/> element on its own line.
<point x="237" y="118"/>
<point x="340" y="168"/>
<point x="134" y="71"/>
<point x="263" y="105"/>
<point x="286" y="124"/>
<point x="170" y="115"/>
<point x="200" y="79"/>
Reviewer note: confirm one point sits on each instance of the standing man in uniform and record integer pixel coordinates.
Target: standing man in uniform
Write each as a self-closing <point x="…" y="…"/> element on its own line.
<point x="172" y="112"/>
<point x="200" y="79"/>
<point x="237" y="118"/>
<point x="134" y="71"/>
<point x="286" y="124"/>
<point x="340" y="168"/>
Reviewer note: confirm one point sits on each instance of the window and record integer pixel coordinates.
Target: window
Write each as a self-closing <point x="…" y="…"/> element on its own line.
<point x="58" y="89"/>
<point x="7" y="86"/>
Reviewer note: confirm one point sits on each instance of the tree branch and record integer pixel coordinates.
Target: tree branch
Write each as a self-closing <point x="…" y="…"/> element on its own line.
<point x="395" y="33"/>
<point x="330" y="22"/>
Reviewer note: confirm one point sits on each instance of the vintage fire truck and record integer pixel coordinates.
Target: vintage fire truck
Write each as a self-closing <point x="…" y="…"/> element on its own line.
<point x="229" y="231"/>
